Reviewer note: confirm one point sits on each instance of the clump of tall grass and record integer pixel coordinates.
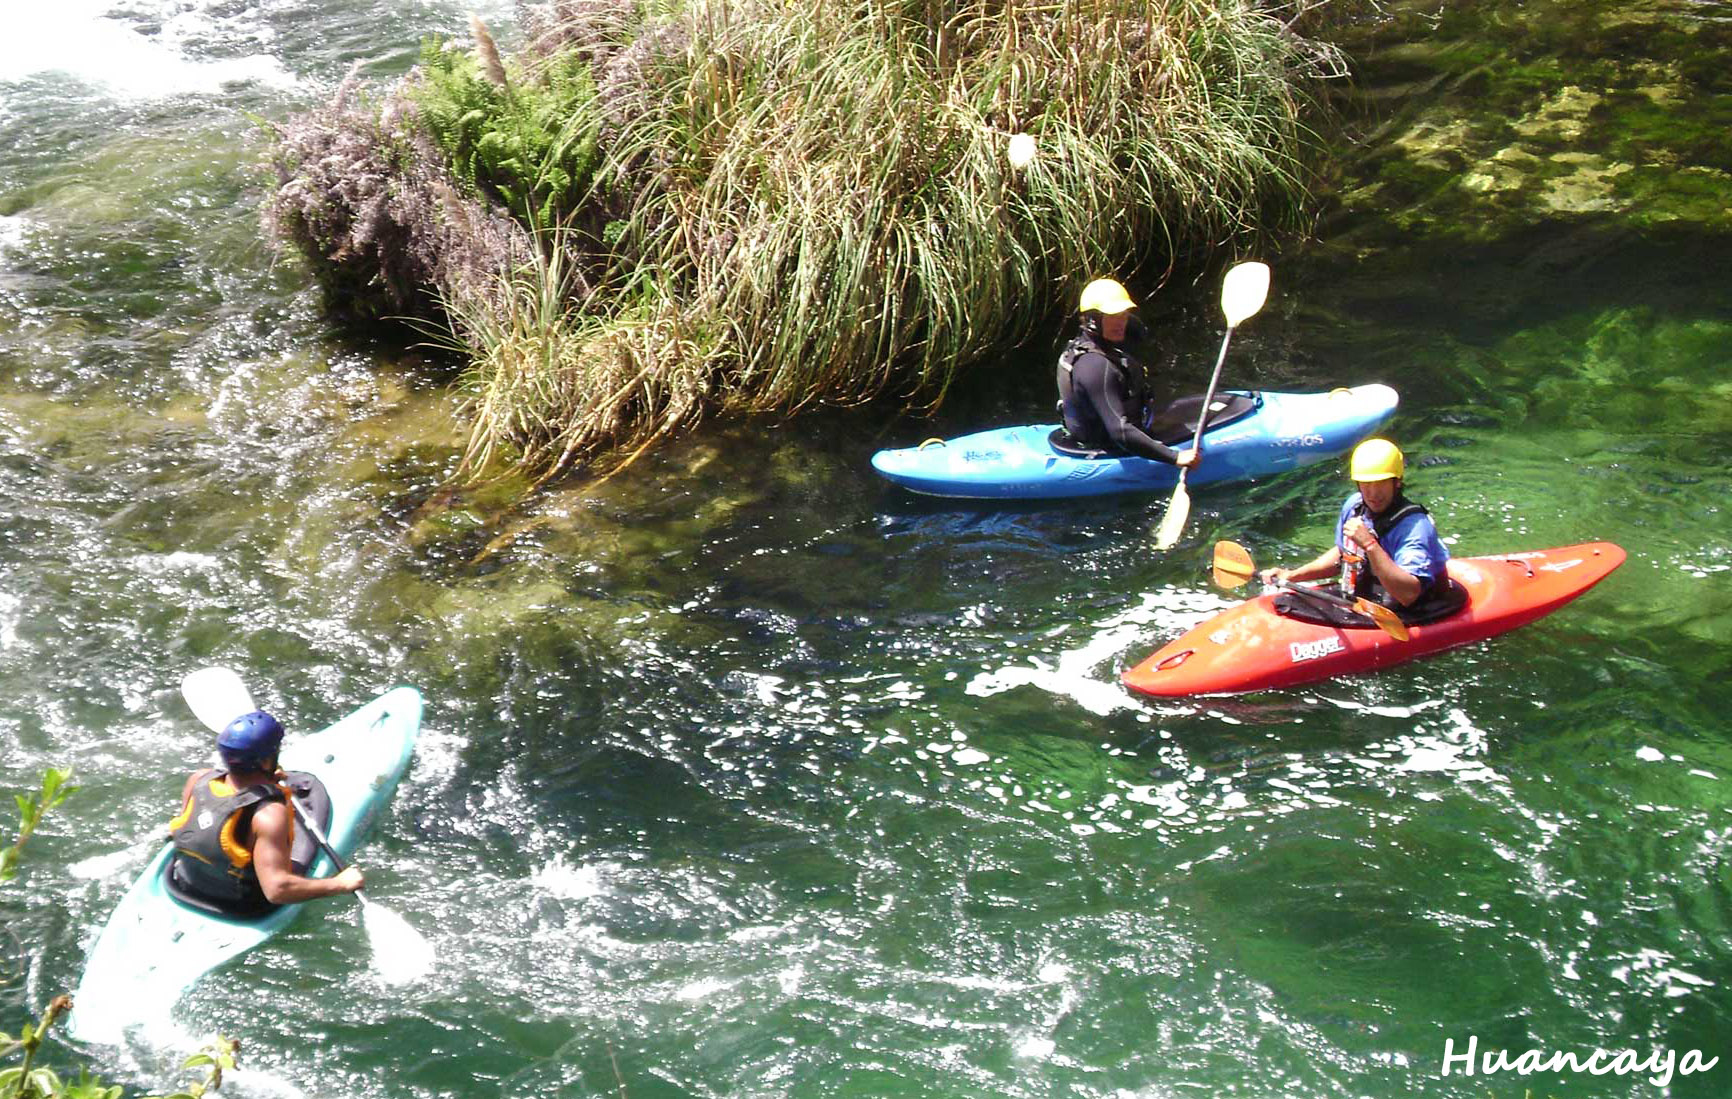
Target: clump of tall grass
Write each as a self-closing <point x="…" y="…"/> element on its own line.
<point x="547" y="378"/>
<point x="801" y="201"/>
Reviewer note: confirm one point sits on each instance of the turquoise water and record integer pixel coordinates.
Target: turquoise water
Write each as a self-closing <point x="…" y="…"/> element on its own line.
<point x="747" y="775"/>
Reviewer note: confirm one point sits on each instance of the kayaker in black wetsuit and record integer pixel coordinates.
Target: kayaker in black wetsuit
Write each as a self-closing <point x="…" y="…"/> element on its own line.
<point x="1102" y="388"/>
<point x="235" y="828"/>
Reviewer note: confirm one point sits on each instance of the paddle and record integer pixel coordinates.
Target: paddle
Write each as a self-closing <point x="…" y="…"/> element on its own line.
<point x="1233" y="567"/>
<point x="216" y="697"/>
<point x="1242" y="294"/>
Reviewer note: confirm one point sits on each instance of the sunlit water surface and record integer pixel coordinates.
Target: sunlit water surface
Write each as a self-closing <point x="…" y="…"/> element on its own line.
<point x="746" y="774"/>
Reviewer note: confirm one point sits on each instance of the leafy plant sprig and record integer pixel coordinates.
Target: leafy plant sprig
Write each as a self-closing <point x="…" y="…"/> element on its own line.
<point x="530" y="143"/>
<point x="56" y="787"/>
<point x="28" y="1081"/>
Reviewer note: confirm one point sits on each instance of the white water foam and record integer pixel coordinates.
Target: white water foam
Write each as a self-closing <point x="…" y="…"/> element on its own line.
<point x="10" y="616"/>
<point x="1077" y="674"/>
<point x="83" y="39"/>
<point x="701" y="989"/>
<point x="143" y="1053"/>
<point x="12" y="228"/>
<point x="178" y="561"/>
<point x="560" y="879"/>
<point x="112" y="864"/>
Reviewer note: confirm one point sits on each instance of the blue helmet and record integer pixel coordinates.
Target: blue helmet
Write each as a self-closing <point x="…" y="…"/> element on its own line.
<point x="250" y="740"/>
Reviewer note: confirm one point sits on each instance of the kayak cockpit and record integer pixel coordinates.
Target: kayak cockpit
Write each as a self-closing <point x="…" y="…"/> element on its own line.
<point x="1174" y="425"/>
<point x="1446" y="601"/>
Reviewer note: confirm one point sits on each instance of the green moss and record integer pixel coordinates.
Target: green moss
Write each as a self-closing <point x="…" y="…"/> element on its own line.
<point x="1578" y="111"/>
<point x="1696" y="196"/>
<point x="1583" y="364"/>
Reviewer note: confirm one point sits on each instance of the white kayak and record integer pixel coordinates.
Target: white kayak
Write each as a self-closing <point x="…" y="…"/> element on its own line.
<point x="155" y="947"/>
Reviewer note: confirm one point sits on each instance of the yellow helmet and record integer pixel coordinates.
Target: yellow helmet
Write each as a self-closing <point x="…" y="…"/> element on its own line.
<point x="1105" y="296"/>
<point x="1377" y="460"/>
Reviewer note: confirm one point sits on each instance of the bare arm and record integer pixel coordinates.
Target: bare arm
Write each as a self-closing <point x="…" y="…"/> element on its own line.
<point x="1321" y="567"/>
<point x="277" y="877"/>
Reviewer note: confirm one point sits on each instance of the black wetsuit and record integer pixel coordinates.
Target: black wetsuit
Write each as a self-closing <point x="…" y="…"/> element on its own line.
<point x="1104" y="398"/>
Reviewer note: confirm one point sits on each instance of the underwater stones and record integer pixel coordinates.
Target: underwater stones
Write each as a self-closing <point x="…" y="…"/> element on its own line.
<point x="1588" y="187"/>
<point x="1564" y="115"/>
<point x="487" y="614"/>
<point x="1436" y="145"/>
<point x="1507" y="170"/>
<point x="1664" y="95"/>
<point x="1695" y="195"/>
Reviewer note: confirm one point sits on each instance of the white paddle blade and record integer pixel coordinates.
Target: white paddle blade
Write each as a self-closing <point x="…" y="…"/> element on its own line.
<point x="1173" y="522"/>
<point x="401" y="954"/>
<point x="1243" y="291"/>
<point x="216" y="696"/>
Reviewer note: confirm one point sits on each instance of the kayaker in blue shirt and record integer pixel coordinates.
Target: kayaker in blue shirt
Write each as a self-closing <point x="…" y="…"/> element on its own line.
<point x="1387" y="544"/>
<point x="233" y="836"/>
<point x="1102" y="388"/>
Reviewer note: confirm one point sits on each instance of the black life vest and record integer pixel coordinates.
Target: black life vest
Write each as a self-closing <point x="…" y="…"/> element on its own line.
<point x="1081" y="418"/>
<point x="212" y="838"/>
<point x="1359" y="579"/>
<point x="1438" y="599"/>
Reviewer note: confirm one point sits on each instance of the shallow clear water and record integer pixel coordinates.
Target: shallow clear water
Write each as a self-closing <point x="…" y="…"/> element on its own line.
<point x="748" y="775"/>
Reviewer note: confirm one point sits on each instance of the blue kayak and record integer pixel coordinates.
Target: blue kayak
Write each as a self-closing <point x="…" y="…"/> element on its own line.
<point x="154" y="946"/>
<point x="1250" y="434"/>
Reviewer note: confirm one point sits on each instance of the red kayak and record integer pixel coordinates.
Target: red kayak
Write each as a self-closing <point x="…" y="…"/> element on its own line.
<point x="1250" y="647"/>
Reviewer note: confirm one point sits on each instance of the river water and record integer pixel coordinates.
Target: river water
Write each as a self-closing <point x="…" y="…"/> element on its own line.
<point x="745" y="774"/>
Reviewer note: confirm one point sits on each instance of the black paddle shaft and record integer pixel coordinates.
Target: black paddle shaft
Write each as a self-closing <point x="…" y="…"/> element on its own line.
<point x="1389" y="622"/>
<point x="1316" y="593"/>
<point x="317" y="834"/>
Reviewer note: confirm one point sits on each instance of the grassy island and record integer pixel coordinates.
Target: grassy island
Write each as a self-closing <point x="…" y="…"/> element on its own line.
<point x="658" y="211"/>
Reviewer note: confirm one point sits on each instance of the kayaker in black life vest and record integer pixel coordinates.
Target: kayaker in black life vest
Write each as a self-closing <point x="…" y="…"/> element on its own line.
<point x="1103" y="392"/>
<point x="1386" y="545"/>
<point x="233" y="835"/>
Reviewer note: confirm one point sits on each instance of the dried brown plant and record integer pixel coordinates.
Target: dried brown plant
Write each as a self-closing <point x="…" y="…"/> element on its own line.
<point x="362" y="193"/>
<point x="488" y="53"/>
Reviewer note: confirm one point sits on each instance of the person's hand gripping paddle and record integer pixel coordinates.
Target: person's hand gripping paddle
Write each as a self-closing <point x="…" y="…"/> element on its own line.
<point x="1243" y="292"/>
<point x="1233" y="567"/>
<point x="401" y="954"/>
